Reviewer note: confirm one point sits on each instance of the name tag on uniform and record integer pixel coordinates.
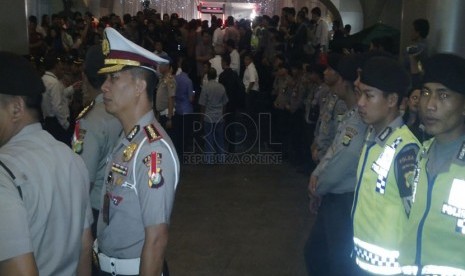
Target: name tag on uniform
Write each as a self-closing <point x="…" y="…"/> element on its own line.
<point x="455" y="205"/>
<point x="382" y="165"/>
<point x="456" y="194"/>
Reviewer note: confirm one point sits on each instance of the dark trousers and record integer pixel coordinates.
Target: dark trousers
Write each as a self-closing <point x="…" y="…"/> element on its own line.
<point x="182" y="132"/>
<point x="52" y="125"/>
<point x="328" y="249"/>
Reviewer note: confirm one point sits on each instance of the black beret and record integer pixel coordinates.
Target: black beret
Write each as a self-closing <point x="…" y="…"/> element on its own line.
<point x="94" y="61"/>
<point x="333" y="60"/>
<point x="385" y="74"/>
<point x="348" y="66"/>
<point x="447" y="69"/>
<point x="18" y="77"/>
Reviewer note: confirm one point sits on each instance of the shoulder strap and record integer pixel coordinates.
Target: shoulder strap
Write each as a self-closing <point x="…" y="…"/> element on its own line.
<point x="10" y="173"/>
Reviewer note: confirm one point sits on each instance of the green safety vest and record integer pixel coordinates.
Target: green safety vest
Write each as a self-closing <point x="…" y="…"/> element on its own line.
<point x="434" y="242"/>
<point x="378" y="212"/>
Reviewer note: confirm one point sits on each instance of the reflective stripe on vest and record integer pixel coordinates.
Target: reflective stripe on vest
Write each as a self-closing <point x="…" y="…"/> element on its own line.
<point x="382" y="165"/>
<point x="433" y="270"/>
<point x="376" y="259"/>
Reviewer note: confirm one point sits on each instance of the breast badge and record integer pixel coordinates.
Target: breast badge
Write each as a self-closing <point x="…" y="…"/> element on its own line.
<point x="128" y="152"/>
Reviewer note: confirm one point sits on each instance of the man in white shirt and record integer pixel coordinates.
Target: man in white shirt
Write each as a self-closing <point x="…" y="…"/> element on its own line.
<point x="55" y="107"/>
<point x="234" y="54"/>
<point x="218" y="33"/>
<point x="320" y="42"/>
<point x="216" y="60"/>
<point x="250" y="81"/>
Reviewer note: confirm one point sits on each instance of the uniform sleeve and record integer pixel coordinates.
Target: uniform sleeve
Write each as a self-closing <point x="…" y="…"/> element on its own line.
<point x="343" y="153"/>
<point x="156" y="202"/>
<point x="84" y="180"/>
<point x="15" y="238"/>
<point x="91" y="147"/>
<point x="404" y="170"/>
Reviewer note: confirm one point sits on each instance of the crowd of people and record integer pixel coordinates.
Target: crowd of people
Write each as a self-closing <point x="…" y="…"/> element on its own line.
<point x="387" y="198"/>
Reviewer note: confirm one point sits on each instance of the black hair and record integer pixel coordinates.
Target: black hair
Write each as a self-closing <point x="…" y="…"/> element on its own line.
<point x="226" y="59"/>
<point x="185" y="65"/>
<point x="148" y="76"/>
<point x="421" y="26"/>
<point x="317" y="69"/>
<point x="316" y="11"/>
<point x="211" y="74"/>
<point x="33" y="19"/>
<point x="50" y="61"/>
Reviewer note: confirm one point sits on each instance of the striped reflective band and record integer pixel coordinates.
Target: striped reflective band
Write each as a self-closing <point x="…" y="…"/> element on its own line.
<point x="376" y="259"/>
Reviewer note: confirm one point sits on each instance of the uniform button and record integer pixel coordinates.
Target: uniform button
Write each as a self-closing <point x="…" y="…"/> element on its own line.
<point x="113" y="273"/>
<point x="112" y="264"/>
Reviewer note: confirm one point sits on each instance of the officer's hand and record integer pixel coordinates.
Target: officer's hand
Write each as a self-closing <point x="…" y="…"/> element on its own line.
<point x="77" y="85"/>
<point x="314" y="205"/>
<point x="313" y="183"/>
<point x="315" y="155"/>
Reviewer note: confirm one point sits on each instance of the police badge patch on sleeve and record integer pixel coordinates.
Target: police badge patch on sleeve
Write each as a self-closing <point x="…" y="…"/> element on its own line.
<point x="155" y="173"/>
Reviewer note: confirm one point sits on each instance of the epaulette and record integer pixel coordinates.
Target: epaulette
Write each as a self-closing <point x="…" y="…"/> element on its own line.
<point x="152" y="133"/>
<point x="85" y="110"/>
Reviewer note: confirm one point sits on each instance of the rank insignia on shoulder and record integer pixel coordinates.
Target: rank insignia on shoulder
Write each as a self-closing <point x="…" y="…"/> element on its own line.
<point x="152" y="133"/>
<point x="85" y="110"/>
<point x="133" y="133"/>
<point x="128" y="152"/>
<point x="155" y="176"/>
<point x="117" y="168"/>
<point x="147" y="159"/>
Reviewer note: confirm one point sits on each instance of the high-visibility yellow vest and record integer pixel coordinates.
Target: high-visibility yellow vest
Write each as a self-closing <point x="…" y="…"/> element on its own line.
<point x="434" y="240"/>
<point x="378" y="212"/>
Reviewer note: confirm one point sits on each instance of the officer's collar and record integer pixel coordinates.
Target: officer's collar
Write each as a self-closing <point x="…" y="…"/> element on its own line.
<point x="25" y="131"/>
<point x="99" y="98"/>
<point x="148" y="118"/>
<point x="383" y="135"/>
<point x="459" y="144"/>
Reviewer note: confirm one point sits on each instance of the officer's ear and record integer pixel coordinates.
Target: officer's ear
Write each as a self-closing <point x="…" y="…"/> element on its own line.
<point x="18" y="107"/>
<point x="141" y="86"/>
<point x="393" y="99"/>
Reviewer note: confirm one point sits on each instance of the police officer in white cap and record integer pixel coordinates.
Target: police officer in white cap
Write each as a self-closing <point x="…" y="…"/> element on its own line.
<point x="143" y="169"/>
